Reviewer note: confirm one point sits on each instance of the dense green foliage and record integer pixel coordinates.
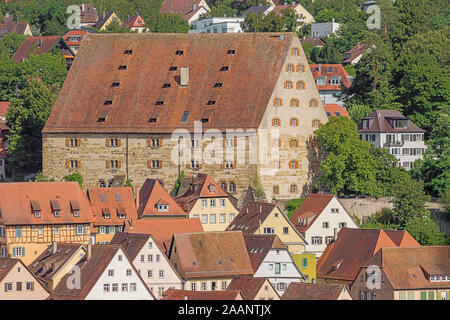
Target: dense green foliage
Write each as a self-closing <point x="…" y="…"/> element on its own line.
<point x="75" y="177"/>
<point x="293" y="205"/>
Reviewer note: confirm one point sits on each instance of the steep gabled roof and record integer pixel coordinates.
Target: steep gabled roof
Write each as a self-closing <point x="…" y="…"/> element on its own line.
<point x="379" y="122"/>
<point x="185" y="8"/>
<point x="176" y="294"/>
<point x="42" y="45"/>
<point x="88" y="13"/>
<point x="258" y="246"/>
<point x="251" y="216"/>
<point x="6" y="265"/>
<point x="310" y="209"/>
<point x="335" y="110"/>
<point x="134" y="103"/>
<point x="329" y="71"/>
<point x="117" y="201"/>
<point x="212" y="254"/>
<point x="132" y="243"/>
<point x="312" y="291"/>
<point x="316" y="41"/>
<point x="104" y="19"/>
<point x="153" y="193"/>
<point x="257" y="10"/>
<point x="13" y="27"/>
<point x="162" y="230"/>
<point x="249" y="286"/>
<point x="343" y="258"/>
<point x="135" y="21"/>
<point x="354" y="52"/>
<point x="20" y="199"/>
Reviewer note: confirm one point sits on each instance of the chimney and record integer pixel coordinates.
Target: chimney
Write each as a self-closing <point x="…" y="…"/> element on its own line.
<point x="260" y="208"/>
<point x="82" y="8"/>
<point x="184" y="76"/>
<point x="54" y="247"/>
<point x="89" y="252"/>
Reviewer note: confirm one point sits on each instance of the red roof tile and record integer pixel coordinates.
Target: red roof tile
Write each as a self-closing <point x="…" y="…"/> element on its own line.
<point x="310" y="209"/>
<point x="46" y="44"/>
<point x="335" y="110"/>
<point x="251" y="216"/>
<point x="258" y="246"/>
<point x="249" y="286"/>
<point x="134" y="22"/>
<point x="337" y="70"/>
<point x="312" y="291"/>
<point x="176" y="294"/>
<point x="379" y="122"/>
<point x="317" y="42"/>
<point x="185" y="8"/>
<point x="17" y="198"/>
<point x="354" y="52"/>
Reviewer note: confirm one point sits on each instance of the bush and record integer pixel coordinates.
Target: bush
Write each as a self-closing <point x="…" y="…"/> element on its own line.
<point x="75" y="177"/>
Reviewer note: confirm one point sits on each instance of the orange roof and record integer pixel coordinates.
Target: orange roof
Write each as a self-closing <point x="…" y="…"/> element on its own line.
<point x="343" y="258"/>
<point x="202" y="186"/>
<point x="335" y="110"/>
<point x="176" y="294"/>
<point x="134" y="22"/>
<point x="313" y="291"/>
<point x="72" y="33"/>
<point x="46" y="45"/>
<point x="20" y="200"/>
<point x="328" y="71"/>
<point x="162" y="230"/>
<point x="153" y="194"/>
<point x="310" y="209"/>
<point x="249" y="286"/>
<point x="185" y="8"/>
<point x="112" y="201"/>
<point x="212" y="254"/>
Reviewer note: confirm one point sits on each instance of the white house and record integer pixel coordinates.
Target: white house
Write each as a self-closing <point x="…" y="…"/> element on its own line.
<point x="106" y="272"/>
<point x="270" y="259"/>
<point x="217" y="25"/>
<point x="391" y="130"/>
<point x="324" y="29"/>
<point x="318" y="219"/>
<point x="151" y="263"/>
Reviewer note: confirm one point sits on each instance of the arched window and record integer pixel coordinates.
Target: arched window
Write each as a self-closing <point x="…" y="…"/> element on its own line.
<point x="232" y="187"/>
<point x="223" y="185"/>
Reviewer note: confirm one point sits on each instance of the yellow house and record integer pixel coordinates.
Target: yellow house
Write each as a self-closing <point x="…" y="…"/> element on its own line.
<point x="207" y="201"/>
<point x="209" y="260"/>
<point x="36" y="214"/>
<point x="267" y="218"/>
<point x="106" y="19"/>
<point x="306" y="262"/>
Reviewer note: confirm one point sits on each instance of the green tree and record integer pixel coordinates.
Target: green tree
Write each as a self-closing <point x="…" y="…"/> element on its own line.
<point x="358" y="111"/>
<point x="75" y="177"/>
<point x="293" y="205"/>
<point x="426" y="231"/>
<point x="115" y="27"/>
<point x="326" y="15"/>
<point x="290" y="18"/>
<point x="169" y="22"/>
<point x="257" y="185"/>
<point x="178" y="183"/>
<point x="222" y="8"/>
<point x="10" y="42"/>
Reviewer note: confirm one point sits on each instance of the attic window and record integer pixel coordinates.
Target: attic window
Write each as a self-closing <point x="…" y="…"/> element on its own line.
<point x="225" y="68"/>
<point x="122" y="67"/>
<point x="108" y="102"/>
<point x="57" y="213"/>
<point x="152" y="120"/>
<point x="173" y="68"/>
<point x="205" y="120"/>
<point x="163" y="207"/>
<point x="218" y="85"/>
<point x="232" y="52"/>
<point x="102" y="197"/>
<point x="37" y="213"/>
<point x="211" y="103"/>
<point x="101" y="119"/>
<point x="179" y="52"/>
<point x="185" y="117"/>
<point x="159" y="102"/>
<point x="115" y="85"/>
<point x="128" y="52"/>
<point x="166" y="85"/>
<point x="118" y="198"/>
<point x="330" y="69"/>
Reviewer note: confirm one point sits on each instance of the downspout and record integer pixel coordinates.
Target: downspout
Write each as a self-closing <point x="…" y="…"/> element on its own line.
<point x="128" y="178"/>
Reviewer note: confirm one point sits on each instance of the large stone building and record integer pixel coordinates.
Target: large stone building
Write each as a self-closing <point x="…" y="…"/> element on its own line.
<point x="121" y="125"/>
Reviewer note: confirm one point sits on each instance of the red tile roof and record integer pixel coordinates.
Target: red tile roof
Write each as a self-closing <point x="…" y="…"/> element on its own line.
<point x="4" y="106"/>
<point x="151" y="194"/>
<point x="86" y="17"/>
<point x="162" y="230"/>
<point x="337" y="71"/>
<point x="116" y="201"/>
<point x="176" y="294"/>
<point x="310" y="209"/>
<point x="16" y="204"/>
<point x="249" y="286"/>
<point x="203" y="254"/>
<point x="354" y="52"/>
<point x="317" y="42"/>
<point x="134" y="22"/>
<point x="132" y="243"/>
<point x="258" y="246"/>
<point x="13" y="27"/>
<point x="343" y="258"/>
<point x="73" y="33"/>
<point x="202" y="186"/>
<point x="47" y="44"/>
<point x="409" y="267"/>
<point x="313" y="291"/>
<point x="335" y="110"/>
<point x="379" y="122"/>
<point x="251" y="216"/>
<point x="185" y="8"/>
<point x="83" y="94"/>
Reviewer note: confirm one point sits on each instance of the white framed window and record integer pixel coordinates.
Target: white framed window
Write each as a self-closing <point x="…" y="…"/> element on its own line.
<point x="334" y="210"/>
<point x="149" y="258"/>
<point x="142" y="258"/>
<point x="222" y="203"/>
<point x="203" y="285"/>
<point x="212" y="218"/>
<point x="329" y="239"/>
<point x="29" y="286"/>
<point x="269" y="230"/>
<point x="115" y="287"/>
<point x="106" y="287"/>
<point x="119" y="257"/>
<point x="326" y="225"/>
<point x="79" y="230"/>
<point x="204" y="218"/>
<point x="157" y="258"/>
<point x="129" y="273"/>
<point x="193" y="286"/>
<point x="212" y="203"/>
<point x="342" y="224"/>
<point x="316" y="240"/>
<point x="231" y="218"/>
<point x="124" y="287"/>
<point x="222" y="218"/>
<point x="110" y="273"/>
<point x="204" y="203"/>
<point x="161" y="274"/>
<point x="132" y="287"/>
<point x="285" y="230"/>
<point x="150" y="245"/>
<point x="149" y="273"/>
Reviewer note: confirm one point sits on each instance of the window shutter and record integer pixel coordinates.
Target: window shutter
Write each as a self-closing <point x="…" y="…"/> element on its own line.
<point x="67" y="142"/>
<point x="200" y="165"/>
<point x="312" y="140"/>
<point x="298" y="85"/>
<point x="291" y="102"/>
<point x="160" y="142"/>
<point x="79" y="163"/>
<point x="149" y="164"/>
<point x="223" y="142"/>
<point x="234" y="164"/>
<point x="279" y="143"/>
<point x="149" y="142"/>
<point x="296" y="164"/>
<point x="188" y="165"/>
<point x="290" y="143"/>
<point x="119" y="164"/>
<point x="160" y="164"/>
<point x="298" y="68"/>
<point x="6" y="287"/>
<point x="235" y="141"/>
<point x="279" y="164"/>
<point x="285" y="84"/>
<point x="310" y="103"/>
<point x="290" y="164"/>
<point x="107" y="142"/>
<point x="67" y="163"/>
<point x="14" y="252"/>
<point x="78" y="142"/>
<point x="319" y="122"/>
<point x="108" y="164"/>
<point x="119" y="142"/>
<point x="23" y="251"/>
<point x="303" y="84"/>
<point x="287" y="68"/>
<point x="303" y="68"/>
<point x="32" y="286"/>
<point x="274" y="102"/>
<point x="313" y="123"/>
<point x="273" y="122"/>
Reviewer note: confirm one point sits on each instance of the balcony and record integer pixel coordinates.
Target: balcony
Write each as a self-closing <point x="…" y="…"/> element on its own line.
<point x="393" y="144"/>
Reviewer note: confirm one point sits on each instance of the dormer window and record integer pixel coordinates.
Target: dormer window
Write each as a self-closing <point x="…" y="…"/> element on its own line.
<point x="122" y="216"/>
<point x="212" y="188"/>
<point x="57" y="213"/>
<point x="37" y="214"/>
<point x="173" y="68"/>
<point x="106" y="215"/>
<point x="232" y="52"/>
<point x="365" y="123"/>
<point x="76" y="213"/>
<point x="129" y="52"/>
<point x="225" y="68"/>
<point x="118" y="198"/>
<point x="163" y="207"/>
<point x="179" y="52"/>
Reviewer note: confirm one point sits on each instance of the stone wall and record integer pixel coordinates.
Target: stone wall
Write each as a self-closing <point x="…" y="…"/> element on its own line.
<point x="365" y="207"/>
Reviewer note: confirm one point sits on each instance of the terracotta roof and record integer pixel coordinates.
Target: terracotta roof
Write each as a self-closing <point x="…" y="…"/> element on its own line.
<point x="132" y="243"/>
<point x="202" y="186"/>
<point x="83" y="94"/>
<point x="6" y="265"/>
<point x="90" y="271"/>
<point x="310" y="209"/>
<point x="185" y="8"/>
<point x="42" y="45"/>
<point x="16" y="205"/>
<point x="162" y="230"/>
<point x="112" y="201"/>
<point x="410" y="267"/>
<point x="328" y="71"/>
<point x="354" y="52"/>
<point x="379" y="122"/>
<point x="343" y="258"/>
<point x="258" y="246"/>
<point x="50" y="263"/>
<point x="73" y="33"/>
<point x="176" y="294"/>
<point x="312" y="291"/>
<point x="151" y="194"/>
<point x="335" y="110"/>
<point x="13" y="27"/>
<point x="251" y="216"/>
<point x="4" y="106"/>
<point x="134" y="22"/>
<point x="88" y="13"/>
<point x="317" y="42"/>
<point x="249" y="286"/>
<point x="279" y="8"/>
<point x="203" y="254"/>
